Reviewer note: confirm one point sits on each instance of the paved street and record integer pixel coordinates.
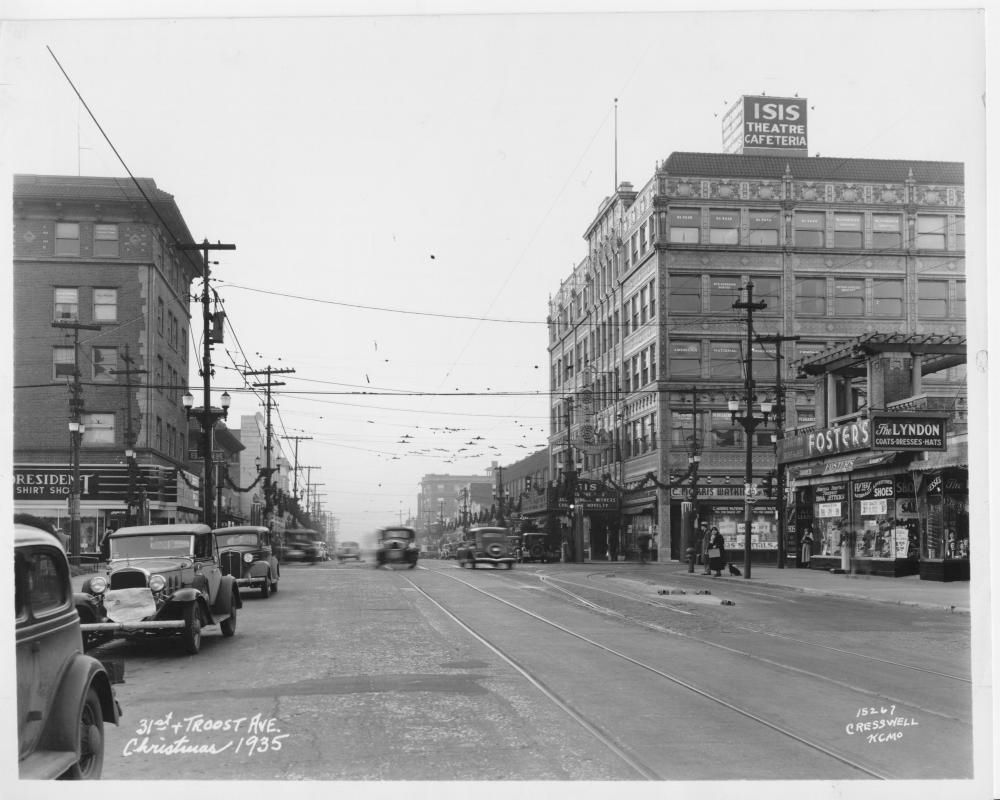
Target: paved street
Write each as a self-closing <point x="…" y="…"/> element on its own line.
<point x="561" y="672"/>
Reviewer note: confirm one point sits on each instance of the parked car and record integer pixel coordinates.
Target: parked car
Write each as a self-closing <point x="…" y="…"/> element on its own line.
<point x="538" y="547"/>
<point x="397" y="545"/>
<point x="302" y="544"/>
<point x="162" y="580"/>
<point x="246" y="553"/>
<point x="485" y="545"/>
<point x="348" y="550"/>
<point x="64" y="698"/>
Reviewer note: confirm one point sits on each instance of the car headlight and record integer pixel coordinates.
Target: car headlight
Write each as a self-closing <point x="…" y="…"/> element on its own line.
<point x="157" y="583"/>
<point x="248" y="557"/>
<point x="97" y="585"/>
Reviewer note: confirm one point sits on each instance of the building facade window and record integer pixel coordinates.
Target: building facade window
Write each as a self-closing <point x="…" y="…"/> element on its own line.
<point x="959" y="233"/>
<point x="158" y="377"/>
<point x="684" y="360"/>
<point x="764" y="228"/>
<point x="887" y="298"/>
<point x="67" y="238"/>
<point x="959" y="310"/>
<point x="724" y="227"/>
<point x="931" y="231"/>
<point x="685" y="293"/>
<point x="158" y="433"/>
<point x="810" y="229"/>
<point x="932" y="298"/>
<point x="848" y="230"/>
<point x="724" y="290"/>
<point x="99" y="428"/>
<point x="65" y="303"/>
<point x="810" y="296"/>
<point x="652" y="299"/>
<point x="887" y="231"/>
<point x="727" y="360"/>
<point x="768" y="290"/>
<point x="105" y="359"/>
<point x="106" y="241"/>
<point x="849" y="297"/>
<point x="723" y="432"/>
<point x="685" y="225"/>
<point x="63" y="362"/>
<point x="764" y="365"/>
<point x="159" y="316"/>
<point x="105" y="305"/>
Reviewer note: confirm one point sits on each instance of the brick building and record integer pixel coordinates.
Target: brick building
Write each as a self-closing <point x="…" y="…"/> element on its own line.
<point x="100" y="253"/>
<point x="646" y="348"/>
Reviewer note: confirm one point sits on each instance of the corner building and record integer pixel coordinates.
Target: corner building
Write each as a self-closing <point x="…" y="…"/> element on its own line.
<point x="100" y="253"/>
<point x="646" y="347"/>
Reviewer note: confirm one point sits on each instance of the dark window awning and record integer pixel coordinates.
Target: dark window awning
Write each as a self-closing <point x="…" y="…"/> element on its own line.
<point x="841" y="464"/>
<point x="956" y="456"/>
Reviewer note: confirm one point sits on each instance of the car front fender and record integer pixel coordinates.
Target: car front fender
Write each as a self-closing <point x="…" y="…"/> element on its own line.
<point x="89" y="608"/>
<point x="228" y="597"/>
<point x="62" y="726"/>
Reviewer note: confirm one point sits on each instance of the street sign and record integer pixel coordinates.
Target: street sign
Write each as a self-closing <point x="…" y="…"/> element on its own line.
<point x="750" y="492"/>
<point x="193" y="455"/>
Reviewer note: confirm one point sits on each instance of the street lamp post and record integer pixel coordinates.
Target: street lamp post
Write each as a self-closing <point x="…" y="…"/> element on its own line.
<point x="207" y="417"/>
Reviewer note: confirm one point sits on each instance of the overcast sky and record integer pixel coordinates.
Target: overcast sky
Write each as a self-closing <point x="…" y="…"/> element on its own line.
<point x="405" y="192"/>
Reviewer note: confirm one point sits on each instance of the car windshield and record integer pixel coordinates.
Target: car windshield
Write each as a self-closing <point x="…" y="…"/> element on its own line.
<point x="349" y="546"/>
<point x="487" y="537"/>
<point x="397" y="534"/>
<point x="148" y="546"/>
<point x="233" y="539"/>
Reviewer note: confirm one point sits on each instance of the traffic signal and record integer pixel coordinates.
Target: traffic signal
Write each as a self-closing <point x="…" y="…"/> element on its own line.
<point x="768" y="484"/>
<point x="527" y="483"/>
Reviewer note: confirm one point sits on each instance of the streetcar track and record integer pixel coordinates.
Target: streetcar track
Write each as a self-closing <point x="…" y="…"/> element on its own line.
<point x="765" y="660"/>
<point x="840" y="650"/>
<point x="591" y="727"/>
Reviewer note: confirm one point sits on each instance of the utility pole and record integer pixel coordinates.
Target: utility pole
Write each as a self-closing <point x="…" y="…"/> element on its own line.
<point x="269" y="371"/>
<point x="295" y="470"/>
<point x="749" y="423"/>
<point x="779" y="426"/>
<point x="75" y="434"/>
<point x="207" y="418"/>
<point x="128" y="372"/>
<point x="306" y="498"/>
<point x="570" y="472"/>
<point x="689" y="508"/>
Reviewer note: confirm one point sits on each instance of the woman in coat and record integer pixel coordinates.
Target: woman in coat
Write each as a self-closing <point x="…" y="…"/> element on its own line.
<point x="717" y="562"/>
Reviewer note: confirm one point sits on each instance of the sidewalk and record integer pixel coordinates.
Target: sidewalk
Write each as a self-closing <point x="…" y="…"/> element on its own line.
<point x="953" y="596"/>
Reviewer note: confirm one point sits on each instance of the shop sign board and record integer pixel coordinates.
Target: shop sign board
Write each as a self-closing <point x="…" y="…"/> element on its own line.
<point x="828" y="510"/>
<point x="830" y="441"/>
<point x="38" y="483"/>
<point x="909" y="432"/>
<point x="774" y="126"/>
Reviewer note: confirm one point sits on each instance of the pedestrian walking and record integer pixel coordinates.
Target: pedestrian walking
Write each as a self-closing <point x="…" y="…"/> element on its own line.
<point x="643" y="542"/>
<point x="717" y="553"/>
<point x="807" y="543"/>
<point x="706" y="543"/>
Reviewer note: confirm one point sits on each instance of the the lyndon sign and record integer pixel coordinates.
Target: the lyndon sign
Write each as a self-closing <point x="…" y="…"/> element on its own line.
<point x="908" y="432"/>
<point x="822" y="442"/>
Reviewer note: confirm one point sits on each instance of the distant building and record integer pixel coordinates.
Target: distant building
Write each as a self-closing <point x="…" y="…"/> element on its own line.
<point x="101" y="252"/>
<point x="646" y="347"/>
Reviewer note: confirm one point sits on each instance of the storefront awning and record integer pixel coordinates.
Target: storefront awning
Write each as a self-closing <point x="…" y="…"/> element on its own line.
<point x="956" y="456"/>
<point x="834" y="466"/>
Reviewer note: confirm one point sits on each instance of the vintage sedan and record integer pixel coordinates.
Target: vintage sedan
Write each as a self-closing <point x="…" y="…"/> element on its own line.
<point x="246" y="553"/>
<point x="302" y="544"/>
<point x="346" y="550"/>
<point x="162" y="580"/>
<point x="397" y="545"/>
<point x="538" y="547"/>
<point x="486" y="545"/>
<point x="64" y="698"/>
